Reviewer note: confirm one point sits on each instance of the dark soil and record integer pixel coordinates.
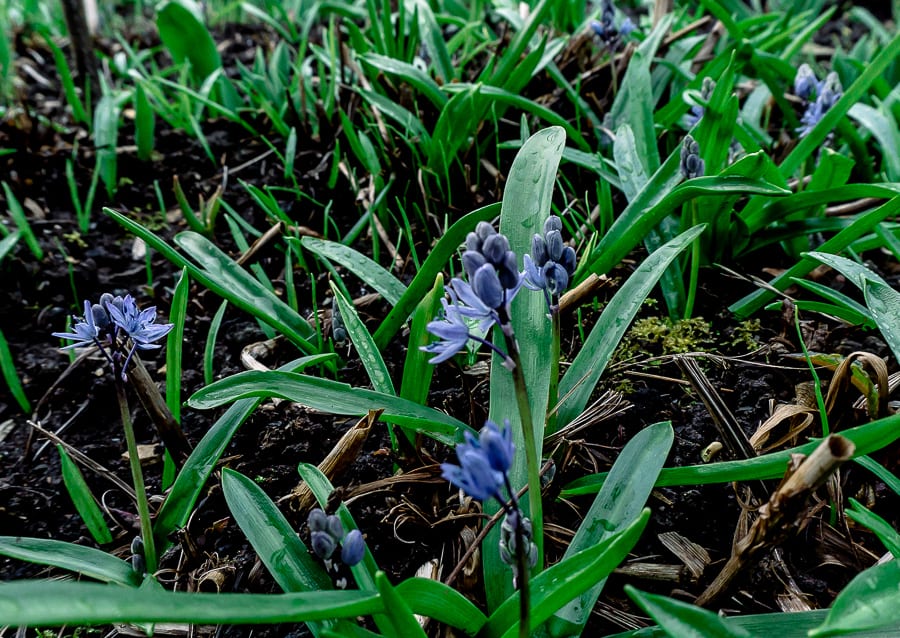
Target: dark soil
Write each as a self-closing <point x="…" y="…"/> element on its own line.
<point x="405" y="524"/>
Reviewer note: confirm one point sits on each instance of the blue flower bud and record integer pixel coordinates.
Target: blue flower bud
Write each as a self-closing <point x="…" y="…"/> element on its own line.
<point x="568" y="260"/>
<point x="507" y="271"/>
<point x="805" y="82"/>
<point x="353" y="548"/>
<point x="335" y="528"/>
<point x="497" y="445"/>
<point x="553" y="223"/>
<point x="554" y="245"/>
<point x="486" y="285"/>
<point x="556" y="277"/>
<point x="323" y="545"/>
<point x="473" y="242"/>
<point x="483" y="230"/>
<point x="538" y="250"/>
<point x="317" y="520"/>
<point x="100" y="316"/>
<point x="691" y="164"/>
<point x="472" y="260"/>
<point x="495" y="248"/>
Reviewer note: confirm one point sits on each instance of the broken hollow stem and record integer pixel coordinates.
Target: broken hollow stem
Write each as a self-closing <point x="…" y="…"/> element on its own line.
<point x="785" y="508"/>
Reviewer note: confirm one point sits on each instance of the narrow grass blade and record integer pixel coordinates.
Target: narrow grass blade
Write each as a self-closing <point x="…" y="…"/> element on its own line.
<point x="396" y="609"/>
<point x="177" y="315"/>
<point x="39" y="603"/>
<point x="209" y="351"/>
<point x="8" y="366"/>
<point x="88" y="561"/>
<point x="18" y="215"/>
<point x="332" y="397"/>
<point x="365" y="347"/>
<point x="106" y="139"/>
<point x="83" y="499"/>
<point x="144" y="123"/>
<point x="618" y="504"/>
<point x="406" y="72"/>
<point x="880" y="527"/>
<point x="182" y="31"/>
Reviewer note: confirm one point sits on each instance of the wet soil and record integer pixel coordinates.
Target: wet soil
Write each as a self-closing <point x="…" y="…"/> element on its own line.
<point x="406" y="524"/>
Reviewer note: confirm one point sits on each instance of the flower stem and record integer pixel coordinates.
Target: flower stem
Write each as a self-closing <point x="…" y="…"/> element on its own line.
<point x="553" y="394"/>
<point x="532" y="451"/>
<point x="522" y="566"/>
<point x="137" y="476"/>
<point x="695" y="267"/>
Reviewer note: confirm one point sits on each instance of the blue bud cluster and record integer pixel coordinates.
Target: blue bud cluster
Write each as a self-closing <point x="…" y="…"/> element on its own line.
<point x="551" y="263"/>
<point x="692" y="165"/>
<point x="490" y="266"/>
<point x="605" y="28"/>
<point x="326" y="532"/>
<point x="484" y="462"/>
<point x="697" y="110"/>
<point x="818" y="97"/>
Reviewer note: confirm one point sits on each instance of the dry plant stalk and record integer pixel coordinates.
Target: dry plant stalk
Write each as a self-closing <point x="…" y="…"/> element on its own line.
<point x="785" y="509"/>
<point x="336" y="461"/>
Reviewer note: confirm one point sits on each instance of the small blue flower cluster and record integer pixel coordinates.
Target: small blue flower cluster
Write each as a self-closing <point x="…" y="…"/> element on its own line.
<point x="103" y="323"/>
<point x="697" y="110"/>
<point x="817" y="96"/>
<point x="606" y="29"/>
<point x="484" y="462"/>
<point x="326" y="532"/>
<point x="551" y="262"/>
<point x="692" y="165"/>
<point x="494" y="281"/>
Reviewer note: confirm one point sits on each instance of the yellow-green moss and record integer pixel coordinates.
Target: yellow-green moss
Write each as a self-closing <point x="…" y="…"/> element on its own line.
<point x="654" y="336"/>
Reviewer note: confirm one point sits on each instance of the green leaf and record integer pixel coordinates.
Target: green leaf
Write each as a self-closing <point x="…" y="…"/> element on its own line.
<point x="8" y="366"/>
<point x="106" y="139"/>
<point x="174" y="340"/>
<point x="18" y="214"/>
<point x="144" y="123"/>
<point x="577" y="385"/>
<point x="683" y="619"/>
<point x="41" y="603"/>
<point x="365" y="347"/>
<point x="433" y="264"/>
<point x="396" y="610"/>
<point x="271" y="535"/>
<point x="869" y="601"/>
<point x="406" y="72"/>
<point x="867" y="438"/>
<point x="617" y="505"/>
<point x="433" y="599"/>
<point x="881" y="528"/>
<point x="417" y="372"/>
<point x="88" y="561"/>
<point x="83" y="499"/>
<point x="884" y="304"/>
<point x="557" y="585"/>
<point x="182" y="31"/>
<point x="332" y="397"/>
<point x="179" y="503"/>
<point x="526" y="205"/>
<point x="370" y="272"/>
<point x="631" y="169"/>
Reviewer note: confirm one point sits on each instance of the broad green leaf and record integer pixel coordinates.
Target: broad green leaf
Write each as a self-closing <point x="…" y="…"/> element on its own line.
<point x="271" y="535"/>
<point x="526" y="205"/>
<point x="189" y="484"/>
<point x="106" y="139"/>
<point x="396" y="610"/>
<point x="683" y="619"/>
<point x="332" y="397"/>
<point x="223" y="276"/>
<point x="867" y="438"/>
<point x="555" y="586"/>
<point x="370" y="272"/>
<point x="884" y="304"/>
<point x="618" y="504"/>
<point x="182" y="31"/>
<point x="632" y="172"/>
<point x="577" y="385"/>
<point x="83" y="499"/>
<point x="88" y="561"/>
<point x="869" y="601"/>
<point x="365" y="347"/>
<point x="144" y="123"/>
<point x="41" y="603"/>
<point x="433" y="599"/>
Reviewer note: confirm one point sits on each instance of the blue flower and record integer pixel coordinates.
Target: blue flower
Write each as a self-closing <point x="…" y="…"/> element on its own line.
<point x="353" y="548"/>
<point x="452" y="330"/>
<point x="805" y="82"/>
<point x="85" y="331"/>
<point x="828" y="92"/>
<point x="323" y="544"/>
<point x="140" y="325"/>
<point x="483" y="462"/>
